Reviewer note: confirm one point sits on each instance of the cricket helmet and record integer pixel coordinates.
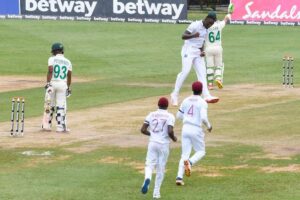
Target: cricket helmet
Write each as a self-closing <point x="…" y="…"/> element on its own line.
<point x="212" y="15"/>
<point x="57" y="46"/>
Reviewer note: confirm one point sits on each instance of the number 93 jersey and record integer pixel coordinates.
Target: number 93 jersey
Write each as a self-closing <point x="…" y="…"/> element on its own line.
<point x="61" y="66"/>
<point x="214" y="35"/>
<point x="158" y="122"/>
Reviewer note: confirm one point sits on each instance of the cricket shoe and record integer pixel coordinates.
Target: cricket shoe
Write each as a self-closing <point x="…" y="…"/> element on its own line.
<point x="46" y="129"/>
<point x="63" y="131"/>
<point x="211" y="99"/>
<point x="174" y="99"/>
<point x="145" y="186"/>
<point x="156" y="196"/>
<point x="187" y="168"/>
<point x="179" y="181"/>
<point x="210" y="86"/>
<point x="219" y="83"/>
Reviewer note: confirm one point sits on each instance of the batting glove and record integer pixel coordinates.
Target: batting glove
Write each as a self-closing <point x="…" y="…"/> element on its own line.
<point x="68" y="92"/>
<point x="230" y="8"/>
<point x="47" y="85"/>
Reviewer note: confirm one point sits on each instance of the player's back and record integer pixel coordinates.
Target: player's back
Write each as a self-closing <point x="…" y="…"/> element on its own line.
<point x="158" y="125"/>
<point x="191" y="108"/>
<point x="214" y="36"/>
<point x="61" y="66"/>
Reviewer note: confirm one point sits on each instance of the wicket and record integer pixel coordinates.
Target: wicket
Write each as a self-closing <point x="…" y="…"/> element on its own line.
<point x="16" y="104"/>
<point x="288" y="71"/>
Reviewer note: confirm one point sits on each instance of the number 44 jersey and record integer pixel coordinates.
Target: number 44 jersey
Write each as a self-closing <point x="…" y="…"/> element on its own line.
<point x="61" y="66"/>
<point x="214" y="35"/>
<point x="158" y="122"/>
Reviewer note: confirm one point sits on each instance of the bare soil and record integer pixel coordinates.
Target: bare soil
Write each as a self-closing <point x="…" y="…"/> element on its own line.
<point x="119" y="124"/>
<point x="13" y="83"/>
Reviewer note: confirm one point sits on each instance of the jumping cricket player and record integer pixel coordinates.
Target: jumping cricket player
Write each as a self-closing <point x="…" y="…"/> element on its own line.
<point x="57" y="89"/>
<point x="214" y="51"/>
<point x="159" y="126"/>
<point x="193" y="113"/>
<point x="192" y="54"/>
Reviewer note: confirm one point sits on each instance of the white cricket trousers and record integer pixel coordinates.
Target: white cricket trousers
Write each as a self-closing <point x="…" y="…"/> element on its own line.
<point x="191" y="137"/>
<point x="214" y="56"/>
<point x="59" y="99"/>
<point x="191" y="57"/>
<point x="157" y="157"/>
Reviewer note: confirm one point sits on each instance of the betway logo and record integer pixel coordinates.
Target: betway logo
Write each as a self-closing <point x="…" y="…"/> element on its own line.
<point x="144" y="7"/>
<point x="61" y="6"/>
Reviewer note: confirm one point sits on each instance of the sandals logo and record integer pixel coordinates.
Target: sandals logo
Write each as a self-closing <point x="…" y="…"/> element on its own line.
<point x="61" y="6"/>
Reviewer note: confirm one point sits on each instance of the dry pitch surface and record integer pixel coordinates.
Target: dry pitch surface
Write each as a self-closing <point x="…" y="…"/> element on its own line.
<point x="119" y="124"/>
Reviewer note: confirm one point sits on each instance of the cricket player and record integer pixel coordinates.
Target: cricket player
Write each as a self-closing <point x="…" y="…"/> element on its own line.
<point x="193" y="113"/>
<point x="214" y="51"/>
<point x="59" y="78"/>
<point x="159" y="126"/>
<point x="192" y="54"/>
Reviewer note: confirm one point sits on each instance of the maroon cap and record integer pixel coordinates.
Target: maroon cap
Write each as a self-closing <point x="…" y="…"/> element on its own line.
<point x="197" y="86"/>
<point x="163" y="102"/>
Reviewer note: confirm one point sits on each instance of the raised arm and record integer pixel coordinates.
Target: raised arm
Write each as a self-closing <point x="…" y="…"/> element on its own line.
<point x="230" y="11"/>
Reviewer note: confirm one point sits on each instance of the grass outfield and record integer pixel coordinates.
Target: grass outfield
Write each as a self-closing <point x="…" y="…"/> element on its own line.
<point x="118" y="53"/>
<point x="121" y="59"/>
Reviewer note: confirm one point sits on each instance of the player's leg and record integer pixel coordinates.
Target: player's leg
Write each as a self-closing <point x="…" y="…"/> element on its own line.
<point x="210" y="68"/>
<point x="186" y="68"/>
<point x="198" y="146"/>
<point x="61" y="107"/>
<point x="150" y="164"/>
<point x="186" y="146"/>
<point x="199" y="66"/>
<point x="219" y="69"/>
<point x="160" y="168"/>
<point x="49" y="105"/>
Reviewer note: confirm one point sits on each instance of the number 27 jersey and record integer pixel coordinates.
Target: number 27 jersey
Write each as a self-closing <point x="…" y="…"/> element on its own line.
<point x="158" y="122"/>
<point x="61" y="66"/>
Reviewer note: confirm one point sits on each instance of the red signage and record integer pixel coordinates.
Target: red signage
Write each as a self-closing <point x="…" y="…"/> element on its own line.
<point x="267" y="11"/>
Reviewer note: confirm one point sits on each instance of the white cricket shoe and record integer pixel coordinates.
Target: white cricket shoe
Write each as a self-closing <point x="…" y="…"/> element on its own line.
<point x="156" y="196"/>
<point x="46" y="130"/>
<point x="63" y="131"/>
<point x="211" y="99"/>
<point x="174" y="99"/>
<point x="179" y="181"/>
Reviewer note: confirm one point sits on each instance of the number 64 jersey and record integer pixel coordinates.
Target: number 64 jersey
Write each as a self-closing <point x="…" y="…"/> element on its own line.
<point x="61" y="66"/>
<point x="158" y="122"/>
<point x="214" y="35"/>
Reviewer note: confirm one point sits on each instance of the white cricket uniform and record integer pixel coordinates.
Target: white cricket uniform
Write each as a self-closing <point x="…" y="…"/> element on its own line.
<point x="213" y="44"/>
<point x="158" y="147"/>
<point x="190" y="55"/>
<point x="193" y="112"/>
<point x="61" y="66"/>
